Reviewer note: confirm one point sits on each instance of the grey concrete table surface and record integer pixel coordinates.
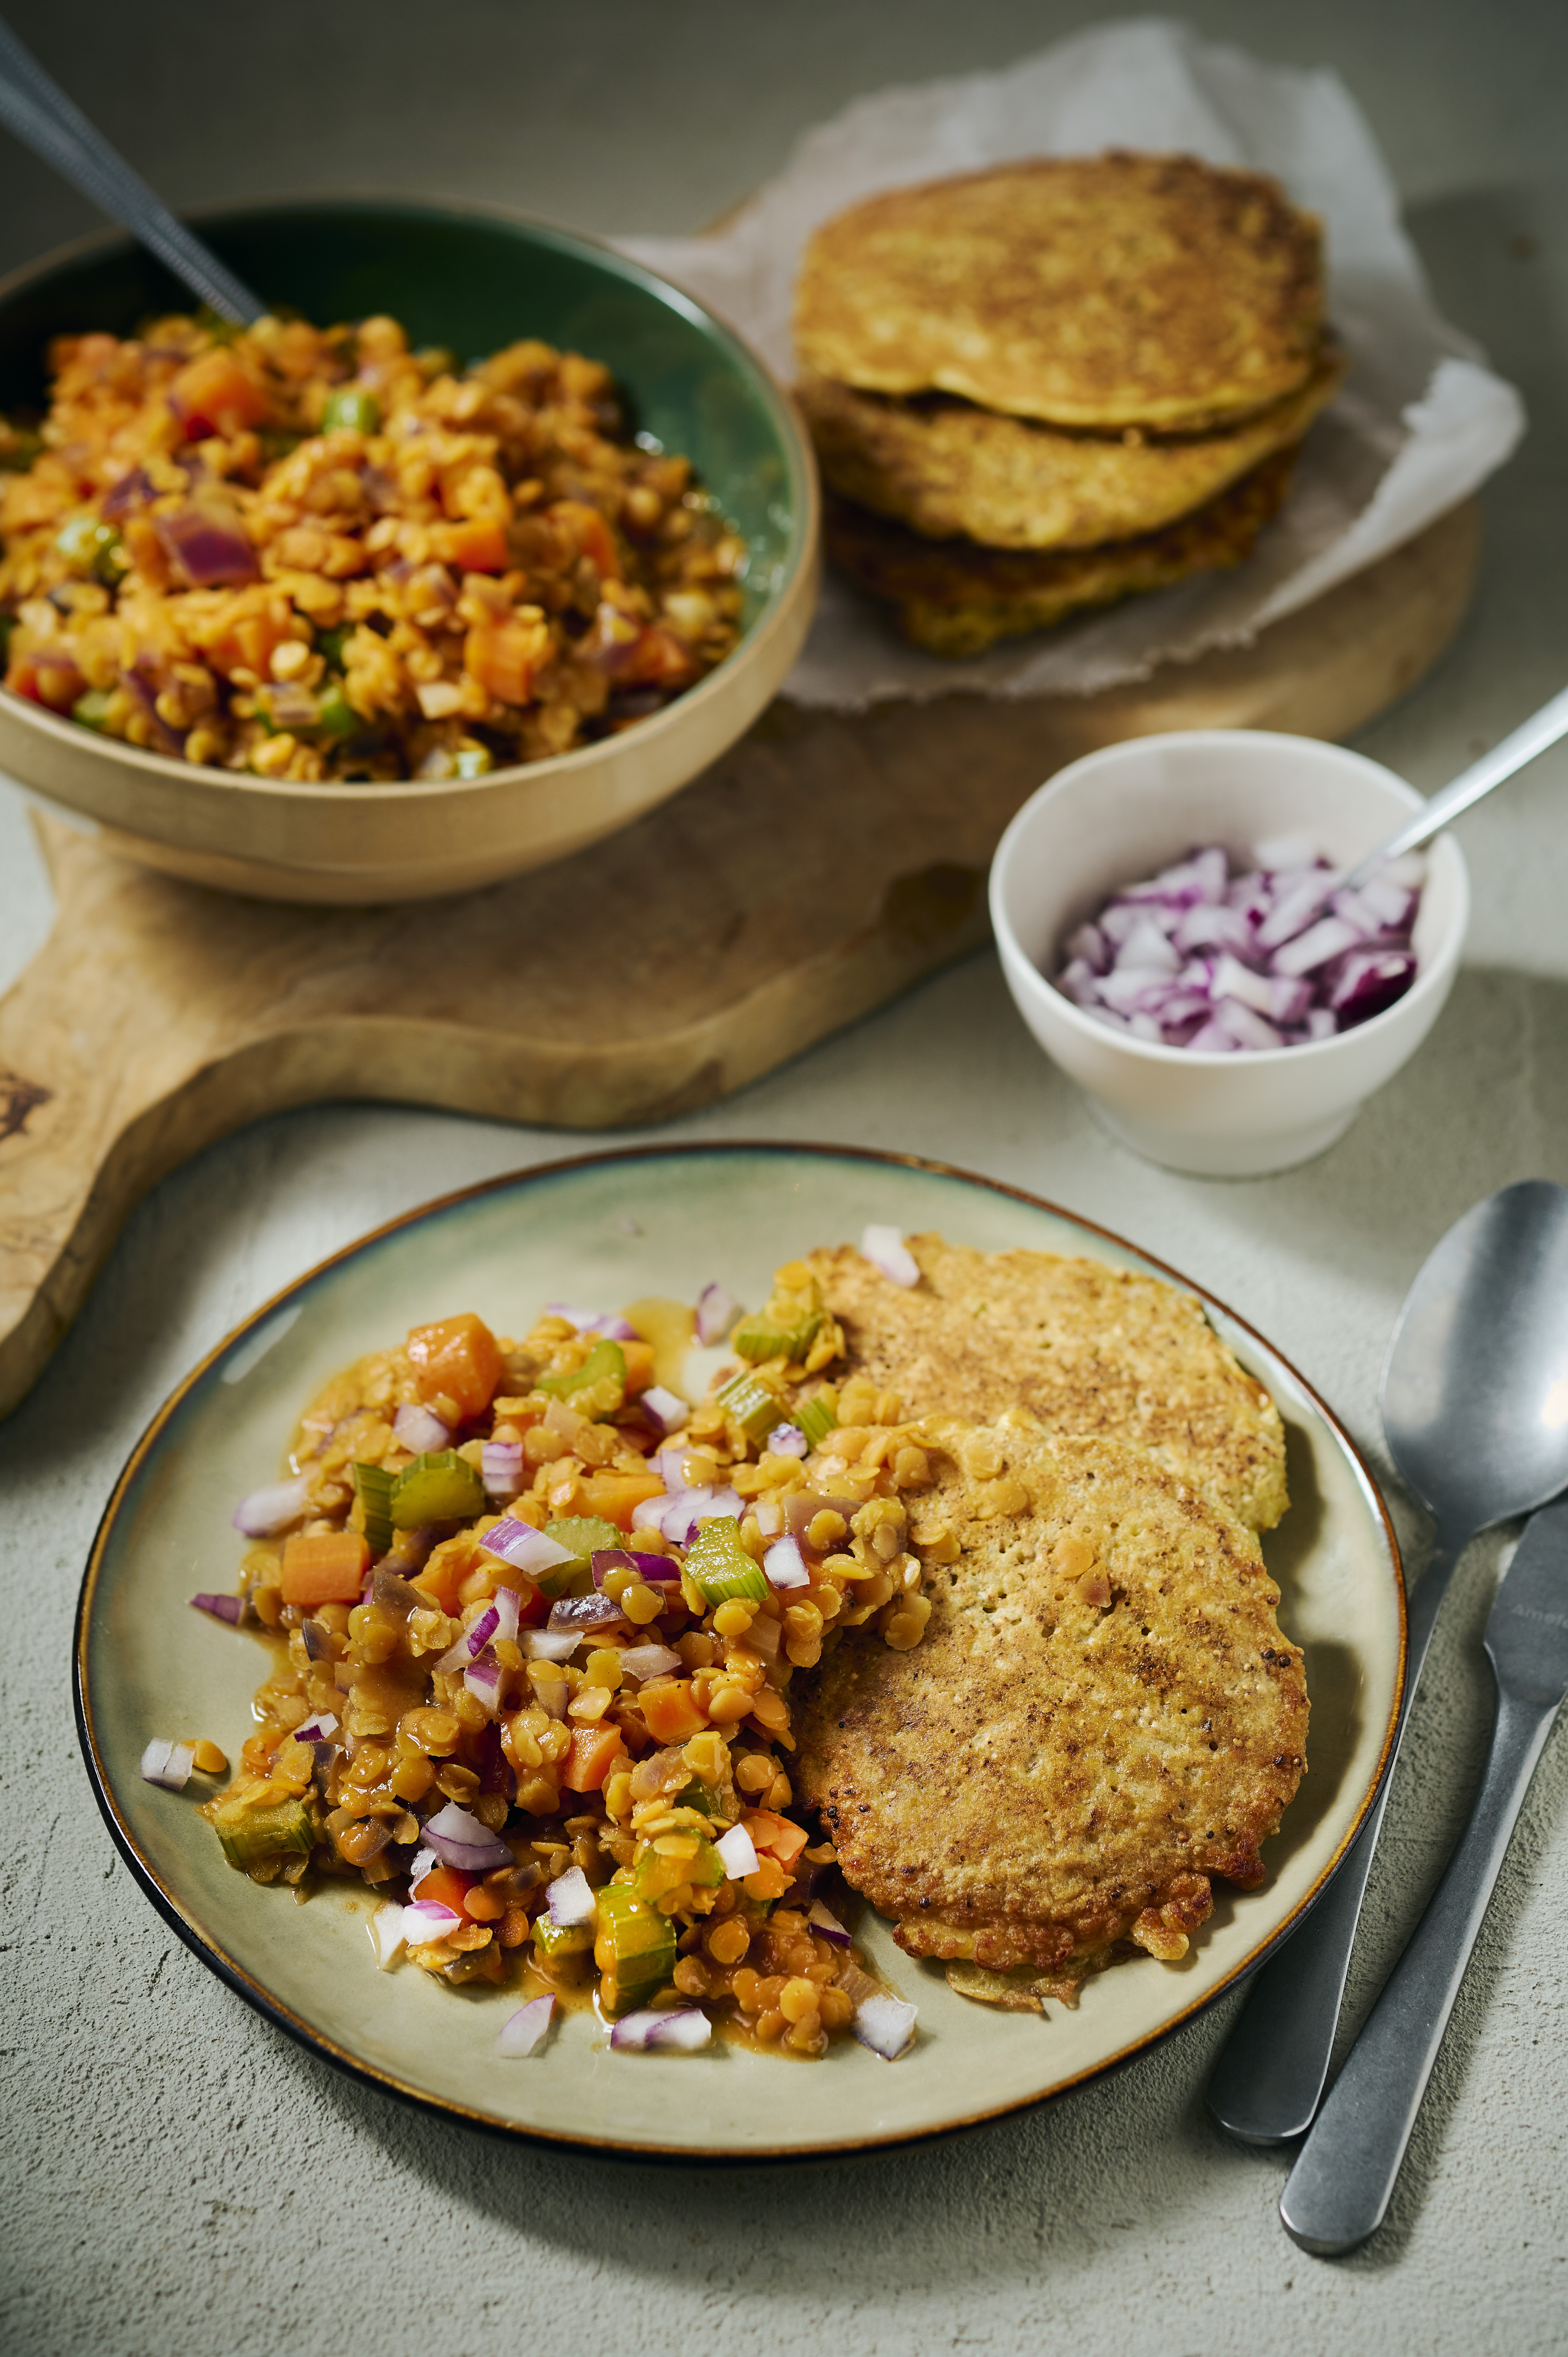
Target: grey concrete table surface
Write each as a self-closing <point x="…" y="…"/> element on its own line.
<point x="178" y="2177"/>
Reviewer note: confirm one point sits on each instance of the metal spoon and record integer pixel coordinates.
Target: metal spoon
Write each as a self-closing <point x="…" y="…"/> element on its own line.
<point x="1345" y="2175"/>
<point x="1475" y="1402"/>
<point x="34" y="107"/>
<point x="1516" y="751"/>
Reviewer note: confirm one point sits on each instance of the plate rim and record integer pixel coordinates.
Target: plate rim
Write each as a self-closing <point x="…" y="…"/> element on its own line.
<point x="316" y="2041"/>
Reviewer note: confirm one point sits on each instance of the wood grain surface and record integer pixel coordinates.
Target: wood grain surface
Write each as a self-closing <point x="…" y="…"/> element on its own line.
<point x="823" y="865"/>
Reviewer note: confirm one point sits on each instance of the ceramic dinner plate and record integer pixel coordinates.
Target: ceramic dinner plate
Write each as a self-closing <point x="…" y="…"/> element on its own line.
<point x="607" y="1229"/>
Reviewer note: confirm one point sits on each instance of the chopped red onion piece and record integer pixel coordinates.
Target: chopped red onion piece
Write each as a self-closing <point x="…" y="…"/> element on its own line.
<point x="508" y="1607"/>
<point x="422" y="1434"/>
<point x="593" y="1321"/>
<point x="660" y="1570"/>
<point x="522" y="2032"/>
<point x="483" y="1630"/>
<point x="787" y="1440"/>
<point x="682" y="2027"/>
<point x="424" y="1921"/>
<point x="886" y="1248"/>
<point x="571" y="1899"/>
<point x="784" y="1565"/>
<point x="387" y="1934"/>
<point x="1247" y="1029"/>
<point x="549" y="1645"/>
<point x="1285" y="851"/>
<point x="167" y="1764"/>
<point x="1328" y="938"/>
<point x="765" y="1636"/>
<point x="738" y="1852"/>
<point x="1368" y="981"/>
<point x="716" y="1313"/>
<point x="827" y="1925"/>
<point x="683" y="1516"/>
<point x="424" y="1863"/>
<point x="801" y="1511"/>
<point x="665" y="1410"/>
<point x="524" y="1547"/>
<point x="645" y="1661"/>
<point x="886" y="2024"/>
<point x="320" y="1728"/>
<point x="484" y="1682"/>
<point x="223" y="1607"/>
<point x="208" y="545"/>
<point x="584" y="1614"/>
<point x="270" y="1509"/>
<point x="465" y="1842"/>
<point x="500" y="1469"/>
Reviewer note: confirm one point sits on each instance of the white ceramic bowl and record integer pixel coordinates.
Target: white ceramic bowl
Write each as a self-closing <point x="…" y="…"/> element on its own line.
<point x="1133" y="808"/>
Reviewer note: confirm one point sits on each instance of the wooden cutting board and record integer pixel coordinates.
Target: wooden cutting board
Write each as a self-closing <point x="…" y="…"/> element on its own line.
<point x="821" y="867"/>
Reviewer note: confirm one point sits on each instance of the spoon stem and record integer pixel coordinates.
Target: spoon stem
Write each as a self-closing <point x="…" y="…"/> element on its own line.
<point x="1532" y="737"/>
<point x="38" y="111"/>
<point x="1269" y="2080"/>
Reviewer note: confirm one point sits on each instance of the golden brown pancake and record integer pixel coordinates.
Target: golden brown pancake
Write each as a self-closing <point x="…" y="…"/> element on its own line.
<point x="1087" y="1348"/>
<point x="945" y="468"/>
<point x="956" y="598"/>
<point x="1101" y="1716"/>
<point x="1089" y="291"/>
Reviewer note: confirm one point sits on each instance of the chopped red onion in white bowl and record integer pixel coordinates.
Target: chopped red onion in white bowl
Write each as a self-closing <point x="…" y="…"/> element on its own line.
<point x="1223" y="963"/>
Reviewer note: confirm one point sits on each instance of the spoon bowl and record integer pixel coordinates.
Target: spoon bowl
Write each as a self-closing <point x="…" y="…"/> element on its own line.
<point x="1475" y="1389"/>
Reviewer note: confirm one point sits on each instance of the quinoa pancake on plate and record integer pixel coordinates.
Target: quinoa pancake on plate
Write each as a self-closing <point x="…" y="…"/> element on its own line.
<point x="1098" y="291"/>
<point x="958" y="597"/>
<point x="945" y="468"/>
<point x="1089" y="1349"/>
<point x="1102" y="1714"/>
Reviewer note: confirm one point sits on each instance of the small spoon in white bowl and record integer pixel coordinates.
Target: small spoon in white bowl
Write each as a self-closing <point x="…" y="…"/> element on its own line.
<point x="34" y="107"/>
<point x="1543" y="728"/>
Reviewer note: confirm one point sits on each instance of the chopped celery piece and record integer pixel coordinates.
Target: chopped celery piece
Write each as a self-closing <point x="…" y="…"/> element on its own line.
<point x="335" y="715"/>
<point x="373" y="1486"/>
<point x="634" y="1949"/>
<point x="752" y="1404"/>
<point x="443" y="1488"/>
<point x="698" y="1795"/>
<point x="474" y="760"/>
<point x="586" y="1535"/>
<point x="761" y="1336"/>
<point x="553" y="1939"/>
<point x="250" y="1832"/>
<point x="90" y="546"/>
<point x="92" y="710"/>
<point x="815" y="1418"/>
<point x="352" y="410"/>
<point x="660" y="1871"/>
<point x="595" y="1388"/>
<point x="720" y="1567"/>
<point x="329" y="644"/>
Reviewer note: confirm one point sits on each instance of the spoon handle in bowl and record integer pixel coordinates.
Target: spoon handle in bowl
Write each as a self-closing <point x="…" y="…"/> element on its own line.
<point x="1269" y="2077"/>
<point x="38" y="111"/>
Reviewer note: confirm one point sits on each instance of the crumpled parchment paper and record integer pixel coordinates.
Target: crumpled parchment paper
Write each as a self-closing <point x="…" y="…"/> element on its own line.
<point x="1419" y="423"/>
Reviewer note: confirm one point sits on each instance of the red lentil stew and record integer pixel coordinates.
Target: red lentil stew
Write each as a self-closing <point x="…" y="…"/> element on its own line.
<point x="312" y="553"/>
<point x="536" y="1619"/>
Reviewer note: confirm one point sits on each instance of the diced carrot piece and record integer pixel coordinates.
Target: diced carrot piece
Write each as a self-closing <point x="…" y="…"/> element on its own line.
<point x="638" y="1357"/>
<point x="440" y="1581"/>
<point x="614" y="1495"/>
<point x="445" y="1886"/>
<point x="504" y="657"/>
<point x="474" y="545"/>
<point x="456" y="1359"/>
<point x="594" y="1755"/>
<point x="669" y="1712"/>
<point x="775" y="1834"/>
<point x="659" y="660"/>
<point x="589" y="533"/>
<point x="326" y="1567"/>
<point x="215" y="393"/>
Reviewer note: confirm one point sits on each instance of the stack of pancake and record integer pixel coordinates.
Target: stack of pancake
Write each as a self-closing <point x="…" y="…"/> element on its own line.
<point x="1044" y="387"/>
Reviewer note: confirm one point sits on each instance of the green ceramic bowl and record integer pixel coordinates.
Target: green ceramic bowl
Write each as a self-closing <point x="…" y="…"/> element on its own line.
<point x="473" y="279"/>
